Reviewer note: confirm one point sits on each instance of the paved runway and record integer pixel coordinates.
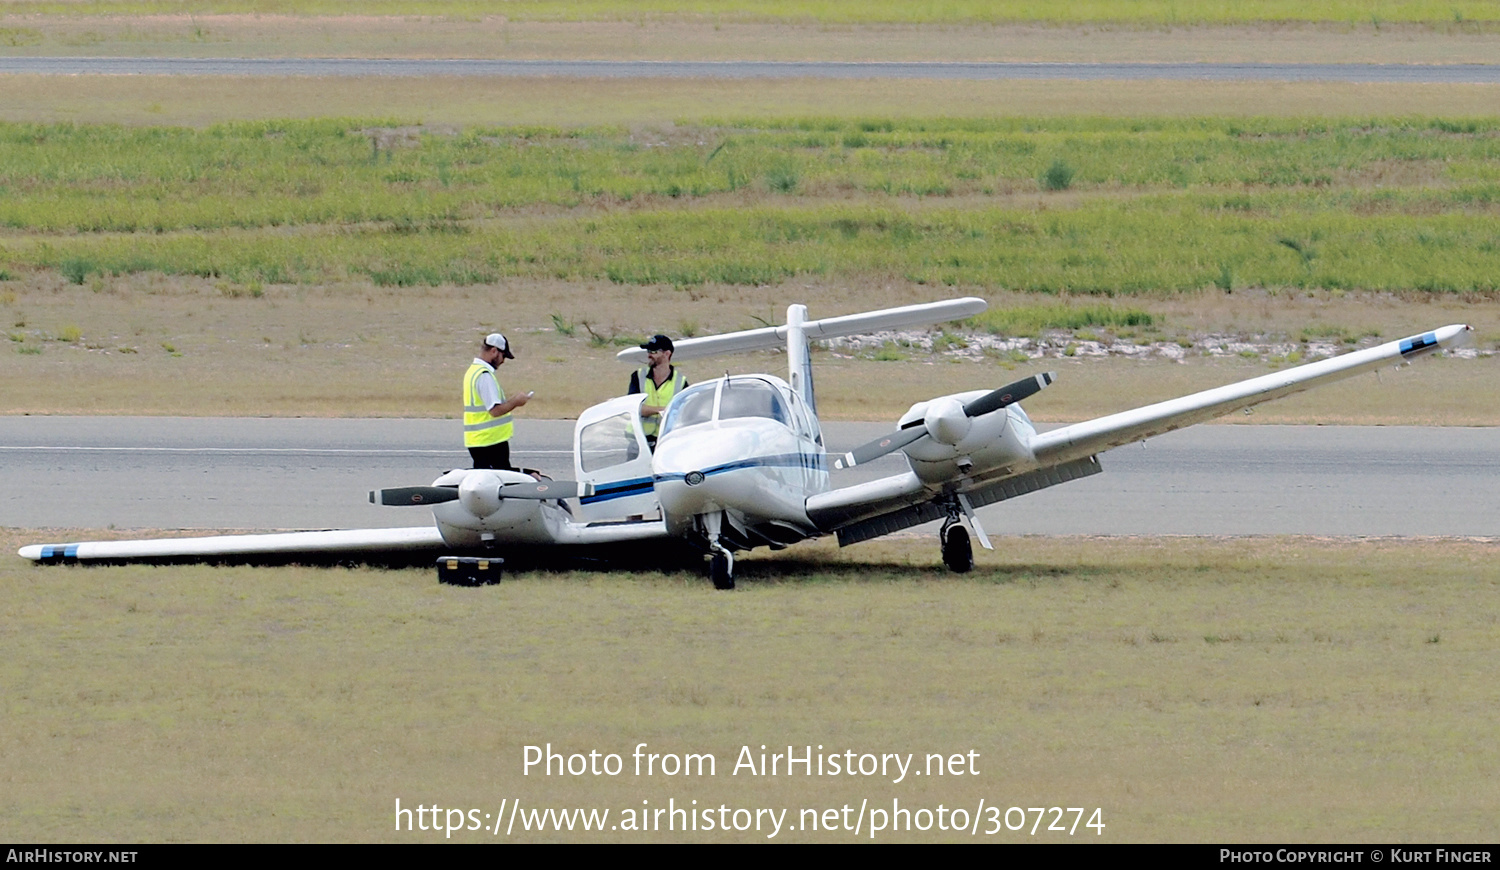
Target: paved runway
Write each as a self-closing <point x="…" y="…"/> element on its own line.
<point x="636" y="69"/>
<point x="95" y="472"/>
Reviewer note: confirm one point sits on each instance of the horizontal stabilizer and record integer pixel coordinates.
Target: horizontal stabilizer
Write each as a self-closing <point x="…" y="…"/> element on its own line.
<point x="829" y="327"/>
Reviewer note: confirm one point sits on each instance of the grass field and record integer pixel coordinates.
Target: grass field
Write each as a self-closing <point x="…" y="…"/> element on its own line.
<point x="1251" y="690"/>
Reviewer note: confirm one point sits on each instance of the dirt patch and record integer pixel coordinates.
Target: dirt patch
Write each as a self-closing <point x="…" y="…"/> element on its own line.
<point x="498" y="37"/>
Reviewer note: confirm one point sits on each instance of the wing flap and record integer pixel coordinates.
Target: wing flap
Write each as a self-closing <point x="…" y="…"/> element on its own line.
<point x="840" y="507"/>
<point x="979" y="496"/>
<point x="1095" y="436"/>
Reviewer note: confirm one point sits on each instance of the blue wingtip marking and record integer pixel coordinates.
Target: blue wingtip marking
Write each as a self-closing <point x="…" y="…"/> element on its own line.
<point x="58" y="552"/>
<point x="1417" y="344"/>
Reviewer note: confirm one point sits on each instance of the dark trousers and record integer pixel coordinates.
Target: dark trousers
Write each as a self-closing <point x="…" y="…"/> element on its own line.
<point x="492" y="456"/>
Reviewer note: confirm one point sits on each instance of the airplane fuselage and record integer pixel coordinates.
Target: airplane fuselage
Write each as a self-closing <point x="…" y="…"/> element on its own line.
<point x="745" y="447"/>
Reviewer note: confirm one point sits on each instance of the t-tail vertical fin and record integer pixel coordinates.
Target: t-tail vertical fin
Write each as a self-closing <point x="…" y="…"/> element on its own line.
<point x="799" y="357"/>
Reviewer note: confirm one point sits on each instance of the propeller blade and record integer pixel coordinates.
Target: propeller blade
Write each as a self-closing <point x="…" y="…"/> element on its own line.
<point x="409" y="496"/>
<point x="881" y="446"/>
<point x="546" y="490"/>
<point x="1008" y="394"/>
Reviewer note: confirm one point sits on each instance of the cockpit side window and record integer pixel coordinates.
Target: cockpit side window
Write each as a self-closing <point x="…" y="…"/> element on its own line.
<point x="608" y="442"/>
<point x="692" y="406"/>
<point x="751" y="398"/>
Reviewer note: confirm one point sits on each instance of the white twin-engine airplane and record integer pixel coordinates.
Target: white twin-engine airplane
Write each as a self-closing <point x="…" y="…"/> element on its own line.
<point x="740" y="462"/>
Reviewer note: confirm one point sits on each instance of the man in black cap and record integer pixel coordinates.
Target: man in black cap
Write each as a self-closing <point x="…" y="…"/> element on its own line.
<point x="659" y="380"/>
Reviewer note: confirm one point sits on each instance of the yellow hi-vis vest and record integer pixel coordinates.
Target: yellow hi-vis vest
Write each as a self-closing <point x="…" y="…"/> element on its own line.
<point x="658" y="396"/>
<point x="480" y="429"/>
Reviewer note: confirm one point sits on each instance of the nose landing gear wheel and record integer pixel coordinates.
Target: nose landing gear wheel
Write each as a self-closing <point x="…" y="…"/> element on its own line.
<point x="721" y="571"/>
<point x="958" y="553"/>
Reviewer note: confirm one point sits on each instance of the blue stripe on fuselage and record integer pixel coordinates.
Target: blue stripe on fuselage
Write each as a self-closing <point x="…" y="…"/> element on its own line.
<point x="619" y="489"/>
<point x="812" y="461"/>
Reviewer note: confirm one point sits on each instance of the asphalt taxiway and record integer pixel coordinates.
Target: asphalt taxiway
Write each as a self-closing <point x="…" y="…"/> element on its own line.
<point x="237" y="473"/>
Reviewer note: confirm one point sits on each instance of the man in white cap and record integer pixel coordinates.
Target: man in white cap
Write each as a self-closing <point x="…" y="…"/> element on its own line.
<point x="487" y="420"/>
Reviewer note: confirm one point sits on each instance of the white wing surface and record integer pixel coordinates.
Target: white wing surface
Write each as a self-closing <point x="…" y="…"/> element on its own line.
<point x="275" y="544"/>
<point x="879" y="507"/>
<point x="1085" y="439"/>
<point x="829" y="327"/>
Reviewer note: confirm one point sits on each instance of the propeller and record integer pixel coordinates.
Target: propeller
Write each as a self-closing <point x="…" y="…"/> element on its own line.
<point x="1008" y="394"/>
<point x="915" y="429"/>
<point x="547" y="490"/>
<point x="410" y="496"/>
<point x="419" y="496"/>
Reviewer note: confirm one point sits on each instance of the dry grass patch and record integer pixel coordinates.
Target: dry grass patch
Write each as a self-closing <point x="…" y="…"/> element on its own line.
<point x="1193" y="689"/>
<point x="154" y="345"/>
<point x="200" y="101"/>
<point x="495" y="37"/>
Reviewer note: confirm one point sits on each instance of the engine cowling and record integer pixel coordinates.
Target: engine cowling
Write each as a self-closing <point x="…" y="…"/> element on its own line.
<point x="958" y="444"/>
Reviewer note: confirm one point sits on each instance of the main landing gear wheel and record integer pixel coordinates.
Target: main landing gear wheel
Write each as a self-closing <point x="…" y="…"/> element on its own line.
<point x="958" y="552"/>
<point x="721" y="571"/>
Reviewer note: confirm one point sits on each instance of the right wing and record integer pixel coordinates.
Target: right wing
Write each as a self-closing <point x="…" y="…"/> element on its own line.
<point x="322" y="543"/>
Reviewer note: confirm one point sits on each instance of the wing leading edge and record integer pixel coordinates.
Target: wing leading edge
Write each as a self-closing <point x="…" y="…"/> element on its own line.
<point x="1100" y="434"/>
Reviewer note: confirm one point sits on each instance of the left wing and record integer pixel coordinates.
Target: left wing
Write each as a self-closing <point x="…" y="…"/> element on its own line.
<point x="1094" y="436"/>
<point x="965" y="454"/>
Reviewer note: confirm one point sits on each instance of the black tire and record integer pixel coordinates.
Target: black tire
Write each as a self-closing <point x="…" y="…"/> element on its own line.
<point x="718" y="571"/>
<point x="958" y="552"/>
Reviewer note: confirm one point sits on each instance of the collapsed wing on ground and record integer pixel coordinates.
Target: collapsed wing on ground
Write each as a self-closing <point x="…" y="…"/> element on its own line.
<point x="317" y="543"/>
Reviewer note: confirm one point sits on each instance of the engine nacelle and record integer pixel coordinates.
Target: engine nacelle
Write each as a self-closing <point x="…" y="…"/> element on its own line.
<point x="480" y="514"/>
<point x="958" y="445"/>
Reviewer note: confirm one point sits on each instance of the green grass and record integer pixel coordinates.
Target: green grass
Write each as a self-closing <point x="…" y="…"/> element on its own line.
<point x="1138" y="12"/>
<point x="296" y="704"/>
<point x="109" y="178"/>
<point x="1032" y="319"/>
<point x="1148" y="246"/>
<point x="1151" y="205"/>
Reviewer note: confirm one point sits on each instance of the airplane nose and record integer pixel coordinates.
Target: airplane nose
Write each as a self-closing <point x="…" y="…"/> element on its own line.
<point x="695" y="471"/>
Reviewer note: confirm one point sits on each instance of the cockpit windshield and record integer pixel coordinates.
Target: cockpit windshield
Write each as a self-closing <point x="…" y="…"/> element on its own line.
<point x="692" y="406"/>
<point x="742" y="397"/>
<point x="751" y="398"/>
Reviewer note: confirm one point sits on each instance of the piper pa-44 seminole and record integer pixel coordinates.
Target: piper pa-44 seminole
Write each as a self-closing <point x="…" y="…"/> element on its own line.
<point x="740" y="462"/>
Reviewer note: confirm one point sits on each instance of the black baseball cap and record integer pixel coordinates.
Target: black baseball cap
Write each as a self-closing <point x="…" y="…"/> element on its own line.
<point x="658" y="342"/>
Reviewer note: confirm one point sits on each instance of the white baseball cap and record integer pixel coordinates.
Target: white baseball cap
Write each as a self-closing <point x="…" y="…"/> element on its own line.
<point x="497" y="341"/>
